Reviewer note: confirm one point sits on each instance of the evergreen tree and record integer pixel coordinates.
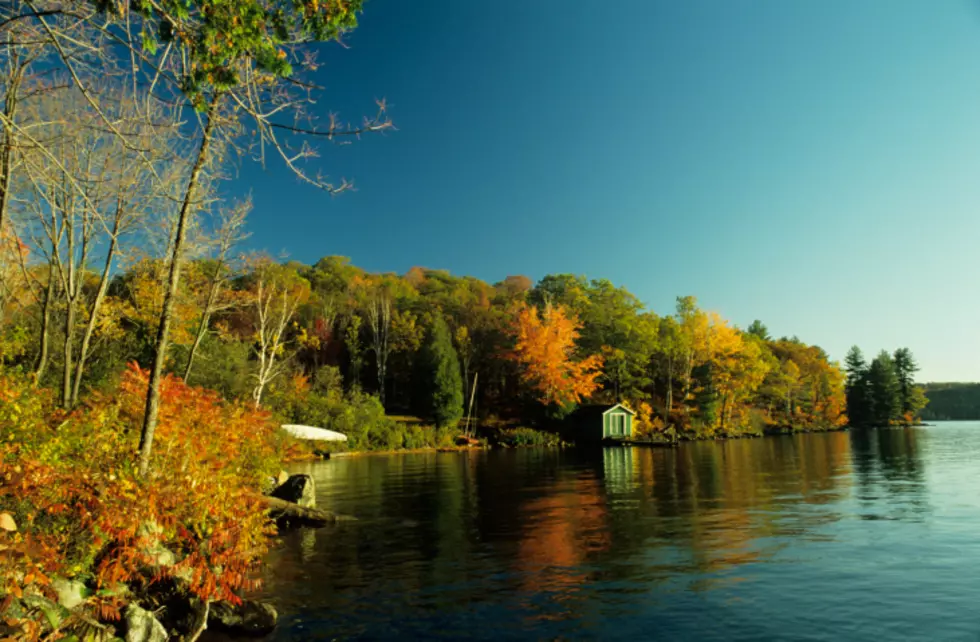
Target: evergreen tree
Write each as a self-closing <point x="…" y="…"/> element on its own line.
<point x="857" y="388"/>
<point x="440" y="377"/>
<point x="706" y="398"/>
<point x="759" y="329"/>
<point x="886" y="402"/>
<point x="911" y="398"/>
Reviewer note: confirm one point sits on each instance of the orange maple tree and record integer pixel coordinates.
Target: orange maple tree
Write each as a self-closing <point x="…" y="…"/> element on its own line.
<point x="545" y="348"/>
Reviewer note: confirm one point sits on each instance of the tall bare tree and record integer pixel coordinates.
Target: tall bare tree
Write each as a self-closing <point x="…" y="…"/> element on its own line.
<point x="277" y="291"/>
<point x="379" y="320"/>
<point x="87" y="191"/>
<point x="218" y="270"/>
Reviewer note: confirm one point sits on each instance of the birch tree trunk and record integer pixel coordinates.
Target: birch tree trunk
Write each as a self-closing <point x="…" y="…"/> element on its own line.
<point x="379" y="313"/>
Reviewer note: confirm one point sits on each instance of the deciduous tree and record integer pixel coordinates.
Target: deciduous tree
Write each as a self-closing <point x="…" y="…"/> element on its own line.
<point x="545" y="349"/>
<point x="276" y="291"/>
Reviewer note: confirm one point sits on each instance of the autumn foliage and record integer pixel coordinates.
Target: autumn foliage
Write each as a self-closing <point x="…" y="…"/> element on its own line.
<point x="545" y="349"/>
<point x="70" y="484"/>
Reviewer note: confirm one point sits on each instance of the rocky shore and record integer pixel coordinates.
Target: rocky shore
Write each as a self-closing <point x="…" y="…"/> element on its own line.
<point x="166" y="612"/>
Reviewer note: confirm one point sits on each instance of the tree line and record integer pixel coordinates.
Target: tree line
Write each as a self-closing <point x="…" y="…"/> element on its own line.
<point x="952" y="401"/>
<point x="328" y="342"/>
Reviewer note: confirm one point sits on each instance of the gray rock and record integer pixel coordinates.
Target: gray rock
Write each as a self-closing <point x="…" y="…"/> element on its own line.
<point x="157" y="554"/>
<point x="141" y="626"/>
<point x="70" y="593"/>
<point x="250" y="618"/>
<point x="298" y="489"/>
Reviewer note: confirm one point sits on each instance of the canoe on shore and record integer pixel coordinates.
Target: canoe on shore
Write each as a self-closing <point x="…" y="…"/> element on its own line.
<point x="313" y="433"/>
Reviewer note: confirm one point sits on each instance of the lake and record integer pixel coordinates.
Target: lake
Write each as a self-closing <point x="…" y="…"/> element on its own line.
<point x="838" y="536"/>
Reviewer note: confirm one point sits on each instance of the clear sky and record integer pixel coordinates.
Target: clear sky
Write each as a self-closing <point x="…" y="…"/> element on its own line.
<point x="813" y="164"/>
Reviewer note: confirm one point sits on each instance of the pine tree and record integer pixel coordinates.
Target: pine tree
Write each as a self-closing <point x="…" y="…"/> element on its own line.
<point x="886" y="403"/>
<point x="911" y="398"/>
<point x="857" y="389"/>
<point x="440" y="377"/>
<point x="759" y="329"/>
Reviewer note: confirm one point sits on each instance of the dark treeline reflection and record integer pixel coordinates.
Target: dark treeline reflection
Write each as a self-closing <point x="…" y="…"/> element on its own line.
<point x="540" y="532"/>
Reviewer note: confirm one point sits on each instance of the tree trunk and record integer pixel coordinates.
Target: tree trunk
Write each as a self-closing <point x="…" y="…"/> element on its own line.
<point x="69" y="332"/>
<point x="94" y="314"/>
<point x="202" y="328"/>
<point x="289" y="513"/>
<point x="670" y="389"/>
<point x="72" y="287"/>
<point x="7" y="153"/>
<point x="257" y="393"/>
<point x="166" y="316"/>
<point x="688" y="367"/>
<point x="724" y="411"/>
<point x="42" y="356"/>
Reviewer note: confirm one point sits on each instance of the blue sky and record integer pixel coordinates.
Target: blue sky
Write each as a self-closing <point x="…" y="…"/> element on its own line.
<point x="815" y="165"/>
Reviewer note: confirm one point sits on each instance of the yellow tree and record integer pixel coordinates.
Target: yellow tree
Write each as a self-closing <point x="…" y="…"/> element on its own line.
<point x="144" y="286"/>
<point x="545" y="349"/>
<point x="738" y="368"/>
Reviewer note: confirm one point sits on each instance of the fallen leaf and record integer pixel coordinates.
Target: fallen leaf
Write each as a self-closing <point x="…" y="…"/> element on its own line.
<point x="7" y="522"/>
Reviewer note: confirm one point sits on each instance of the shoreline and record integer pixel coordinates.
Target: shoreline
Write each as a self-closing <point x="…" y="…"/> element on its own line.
<point x="348" y="454"/>
<point x="633" y="444"/>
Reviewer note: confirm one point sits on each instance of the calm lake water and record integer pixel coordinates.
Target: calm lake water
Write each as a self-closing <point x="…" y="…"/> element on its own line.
<point x="843" y="536"/>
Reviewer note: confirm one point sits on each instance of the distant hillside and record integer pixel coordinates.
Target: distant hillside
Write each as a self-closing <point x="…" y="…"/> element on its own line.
<point x="952" y="401"/>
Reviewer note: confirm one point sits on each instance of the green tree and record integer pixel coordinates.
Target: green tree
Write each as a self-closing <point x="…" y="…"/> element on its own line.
<point x="355" y="351"/>
<point x="857" y="389"/>
<point x="757" y="328"/>
<point x="911" y="397"/>
<point x="439" y="375"/>
<point x="886" y="402"/>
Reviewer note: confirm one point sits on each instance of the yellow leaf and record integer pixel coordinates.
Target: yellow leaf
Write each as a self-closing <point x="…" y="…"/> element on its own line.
<point x="7" y="522"/>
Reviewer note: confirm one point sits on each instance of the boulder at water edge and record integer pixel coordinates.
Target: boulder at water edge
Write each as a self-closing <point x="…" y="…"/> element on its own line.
<point x="298" y="489"/>
<point x="141" y="626"/>
<point x="249" y="618"/>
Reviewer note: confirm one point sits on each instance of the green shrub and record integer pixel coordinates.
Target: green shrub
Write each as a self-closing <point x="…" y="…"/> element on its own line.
<point x="518" y="437"/>
<point x="356" y="414"/>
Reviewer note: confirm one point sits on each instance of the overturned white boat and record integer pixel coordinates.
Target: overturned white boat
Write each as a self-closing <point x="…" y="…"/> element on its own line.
<point x="313" y="433"/>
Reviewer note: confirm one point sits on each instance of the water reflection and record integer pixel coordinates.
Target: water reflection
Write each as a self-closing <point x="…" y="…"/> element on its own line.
<point x="552" y="544"/>
<point x="889" y="464"/>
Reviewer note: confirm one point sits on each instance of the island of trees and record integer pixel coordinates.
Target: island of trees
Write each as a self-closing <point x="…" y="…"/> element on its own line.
<point x="146" y="362"/>
<point x="883" y="392"/>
